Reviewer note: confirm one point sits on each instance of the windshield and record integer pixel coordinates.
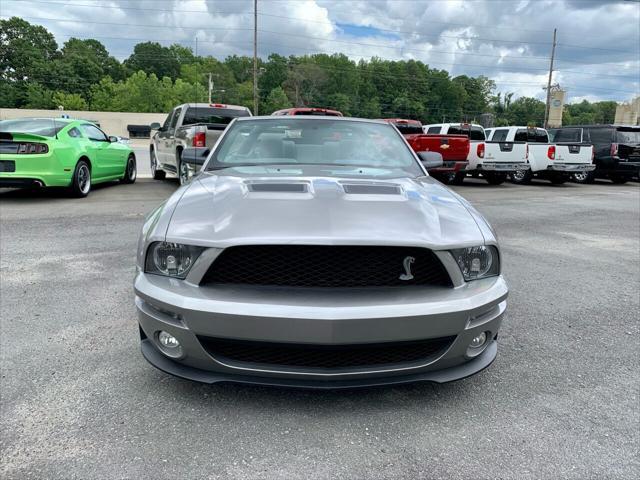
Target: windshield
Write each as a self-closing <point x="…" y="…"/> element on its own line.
<point x="223" y="116"/>
<point x="474" y="133"/>
<point x="331" y="145"/>
<point x="47" y="127"/>
<point x="628" y="135"/>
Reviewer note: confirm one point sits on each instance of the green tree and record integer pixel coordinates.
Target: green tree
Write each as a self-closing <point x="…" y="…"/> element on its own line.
<point x="26" y="54"/>
<point x="276" y="100"/>
<point x="153" y="58"/>
<point x="70" y="101"/>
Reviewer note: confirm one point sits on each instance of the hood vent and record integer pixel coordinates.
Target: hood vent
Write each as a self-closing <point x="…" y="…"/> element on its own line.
<point x="278" y="187"/>
<point x="371" y="189"/>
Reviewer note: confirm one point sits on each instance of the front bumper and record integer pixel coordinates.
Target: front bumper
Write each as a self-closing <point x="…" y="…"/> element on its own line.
<point x="503" y="166"/>
<point x="571" y="167"/>
<point x="358" y="316"/>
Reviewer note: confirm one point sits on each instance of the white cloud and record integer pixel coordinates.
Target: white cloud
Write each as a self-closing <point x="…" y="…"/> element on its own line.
<point x="504" y="40"/>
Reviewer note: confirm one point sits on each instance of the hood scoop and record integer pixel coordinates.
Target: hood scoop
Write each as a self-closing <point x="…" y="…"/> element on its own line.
<point x="280" y="187"/>
<point x="371" y="189"/>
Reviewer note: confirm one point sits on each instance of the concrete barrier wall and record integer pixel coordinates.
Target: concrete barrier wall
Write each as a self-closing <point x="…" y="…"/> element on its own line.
<point x="113" y="123"/>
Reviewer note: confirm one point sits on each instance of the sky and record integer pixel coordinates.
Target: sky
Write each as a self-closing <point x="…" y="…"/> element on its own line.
<point x="509" y="41"/>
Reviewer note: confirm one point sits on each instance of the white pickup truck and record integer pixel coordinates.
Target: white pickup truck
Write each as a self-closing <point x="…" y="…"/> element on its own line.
<point x="550" y="161"/>
<point x="495" y="161"/>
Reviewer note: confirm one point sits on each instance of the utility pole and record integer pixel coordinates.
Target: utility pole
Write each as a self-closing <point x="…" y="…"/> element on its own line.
<point x="553" y="53"/>
<point x="210" y="87"/>
<point x="255" y="57"/>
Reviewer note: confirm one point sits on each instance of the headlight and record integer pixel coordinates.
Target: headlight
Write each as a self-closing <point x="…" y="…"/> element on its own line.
<point x="477" y="262"/>
<point x="171" y="259"/>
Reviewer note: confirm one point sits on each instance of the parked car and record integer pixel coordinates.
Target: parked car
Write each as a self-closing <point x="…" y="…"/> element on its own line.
<point x="616" y="150"/>
<point x="61" y="152"/>
<point x="549" y="161"/>
<point x="494" y="161"/>
<point x="453" y="148"/>
<point x="318" y="252"/>
<point x="308" y="111"/>
<point x="191" y="125"/>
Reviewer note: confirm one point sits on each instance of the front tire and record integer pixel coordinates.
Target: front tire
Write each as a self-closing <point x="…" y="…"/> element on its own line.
<point x="495" y="178"/>
<point x="521" y="177"/>
<point x="156" y="173"/>
<point x="81" y="180"/>
<point x="130" y="171"/>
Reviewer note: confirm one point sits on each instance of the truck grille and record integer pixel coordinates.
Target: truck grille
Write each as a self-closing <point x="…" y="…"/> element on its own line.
<point x="327" y="266"/>
<point x="324" y="356"/>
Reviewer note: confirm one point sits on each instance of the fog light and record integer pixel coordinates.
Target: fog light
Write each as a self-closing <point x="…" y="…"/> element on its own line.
<point x="167" y="340"/>
<point x="477" y="341"/>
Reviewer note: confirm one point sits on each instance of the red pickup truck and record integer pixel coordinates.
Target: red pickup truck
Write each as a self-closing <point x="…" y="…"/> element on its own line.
<point x="453" y="148"/>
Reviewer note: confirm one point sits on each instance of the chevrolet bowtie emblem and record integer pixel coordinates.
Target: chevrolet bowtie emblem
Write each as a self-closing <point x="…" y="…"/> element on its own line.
<point x="444" y="147"/>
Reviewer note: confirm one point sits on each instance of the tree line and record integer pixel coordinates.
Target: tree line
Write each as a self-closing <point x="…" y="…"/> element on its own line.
<point x="82" y="75"/>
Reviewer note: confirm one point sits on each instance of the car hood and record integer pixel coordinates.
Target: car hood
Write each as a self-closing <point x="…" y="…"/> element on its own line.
<point x="226" y="210"/>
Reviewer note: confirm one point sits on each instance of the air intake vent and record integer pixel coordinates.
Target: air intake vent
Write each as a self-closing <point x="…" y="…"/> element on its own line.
<point x="365" y="189"/>
<point x="324" y="357"/>
<point x="278" y="187"/>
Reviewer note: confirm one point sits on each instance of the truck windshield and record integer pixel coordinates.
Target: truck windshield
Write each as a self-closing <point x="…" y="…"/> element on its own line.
<point x="568" y="135"/>
<point x="474" y="133"/>
<point x="408" y="129"/>
<point x="628" y="135"/>
<point x="223" y="116"/>
<point x="328" y="144"/>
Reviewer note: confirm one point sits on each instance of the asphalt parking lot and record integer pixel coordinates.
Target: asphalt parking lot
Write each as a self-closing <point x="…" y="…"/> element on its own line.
<point x="561" y="400"/>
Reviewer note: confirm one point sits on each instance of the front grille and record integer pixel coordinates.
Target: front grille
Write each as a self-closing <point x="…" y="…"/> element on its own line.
<point x="324" y="356"/>
<point x="327" y="266"/>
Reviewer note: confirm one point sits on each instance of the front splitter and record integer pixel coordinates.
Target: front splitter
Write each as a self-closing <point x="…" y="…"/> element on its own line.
<point x="479" y="363"/>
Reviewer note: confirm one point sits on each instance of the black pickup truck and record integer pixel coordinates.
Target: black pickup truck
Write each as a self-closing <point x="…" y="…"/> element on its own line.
<point x="616" y="150"/>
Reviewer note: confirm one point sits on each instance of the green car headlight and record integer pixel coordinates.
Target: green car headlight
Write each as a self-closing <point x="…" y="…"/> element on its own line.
<point x="477" y="262"/>
<point x="171" y="259"/>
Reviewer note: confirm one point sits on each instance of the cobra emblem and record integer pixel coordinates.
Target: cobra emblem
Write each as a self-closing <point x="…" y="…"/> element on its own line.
<point x="406" y="263"/>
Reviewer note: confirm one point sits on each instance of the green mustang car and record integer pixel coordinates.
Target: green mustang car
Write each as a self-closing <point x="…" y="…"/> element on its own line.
<point x="59" y="152"/>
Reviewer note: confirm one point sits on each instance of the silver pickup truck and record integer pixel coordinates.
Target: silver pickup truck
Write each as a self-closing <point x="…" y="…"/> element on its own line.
<point x="196" y="126"/>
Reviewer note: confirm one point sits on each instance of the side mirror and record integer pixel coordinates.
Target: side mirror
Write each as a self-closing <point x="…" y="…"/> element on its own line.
<point x="154" y="126"/>
<point x="431" y="159"/>
<point x="194" y="156"/>
<point x="113" y="139"/>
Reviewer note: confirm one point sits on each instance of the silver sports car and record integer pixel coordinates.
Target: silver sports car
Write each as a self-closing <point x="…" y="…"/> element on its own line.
<point x="317" y="252"/>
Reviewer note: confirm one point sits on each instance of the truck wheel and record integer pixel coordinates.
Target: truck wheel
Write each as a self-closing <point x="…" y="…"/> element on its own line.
<point x="584" y="177"/>
<point x="81" y="181"/>
<point x="619" y="179"/>
<point x="495" y="178"/>
<point x="446" y="178"/>
<point x="156" y="173"/>
<point x="522" y="177"/>
<point x="458" y="179"/>
<point x="130" y="171"/>
<point x="183" y="171"/>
